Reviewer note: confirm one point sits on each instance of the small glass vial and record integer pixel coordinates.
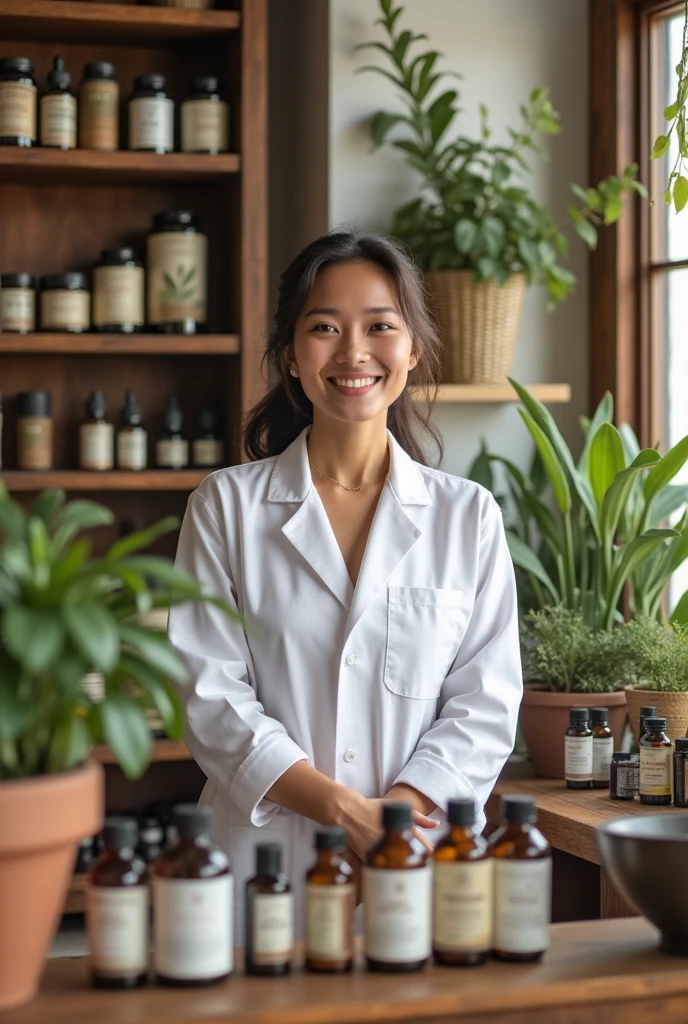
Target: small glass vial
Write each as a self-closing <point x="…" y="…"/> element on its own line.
<point x="462" y="891"/>
<point x="269" y="915"/>
<point x="58" y="110"/>
<point x="117" y="908"/>
<point x="397" y="896"/>
<point x="602" y="747"/>
<point x="151" y="116"/>
<point x="65" y="303"/>
<point x="34" y="430"/>
<point x="193" y="893"/>
<point x="132" y="439"/>
<point x="177" y="274"/>
<point x="523" y="883"/>
<point x="96" y="436"/>
<point x="578" y="742"/>
<point x="17" y="303"/>
<point x="656" y="773"/>
<point x="681" y="772"/>
<point x="646" y="711"/>
<point x="624" y="776"/>
<point x="151" y="839"/>
<point x="17" y="102"/>
<point x="172" y="450"/>
<point x="204" y="118"/>
<point x="208" y="450"/>
<point x="119" y="292"/>
<point x="99" y="107"/>
<point x="330" y="905"/>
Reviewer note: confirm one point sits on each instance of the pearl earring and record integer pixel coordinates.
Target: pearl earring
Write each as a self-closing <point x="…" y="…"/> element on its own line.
<point x="294" y="373"/>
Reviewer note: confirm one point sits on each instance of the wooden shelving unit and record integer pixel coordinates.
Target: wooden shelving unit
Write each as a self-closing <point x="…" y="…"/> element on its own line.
<point x="484" y="394"/>
<point x="78" y="481"/>
<point x="163" y="750"/>
<point x="52" y="166"/>
<point x="120" y="344"/>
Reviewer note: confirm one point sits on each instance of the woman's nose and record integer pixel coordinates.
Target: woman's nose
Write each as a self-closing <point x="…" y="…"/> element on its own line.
<point x="352" y="348"/>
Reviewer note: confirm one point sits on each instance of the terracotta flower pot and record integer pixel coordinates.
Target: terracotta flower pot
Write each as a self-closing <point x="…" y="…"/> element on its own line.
<point x="42" y="820"/>
<point x="544" y="720"/>
<point x="672" y="706"/>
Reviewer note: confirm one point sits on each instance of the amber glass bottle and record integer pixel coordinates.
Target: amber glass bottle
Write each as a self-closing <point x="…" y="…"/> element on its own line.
<point x="656" y="770"/>
<point x="192" y="892"/>
<point x="578" y="747"/>
<point x="462" y="891"/>
<point x="602" y="747"/>
<point x="397" y="896"/>
<point x="330" y="905"/>
<point x="269" y="915"/>
<point x="523" y="883"/>
<point x="117" y="910"/>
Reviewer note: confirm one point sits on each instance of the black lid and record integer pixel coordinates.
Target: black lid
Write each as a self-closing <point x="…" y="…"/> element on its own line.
<point x="681" y="743"/>
<point x="647" y="710"/>
<point x="518" y="808"/>
<point x="73" y="281"/>
<point x="21" y="64"/>
<point x="208" y="417"/>
<point x="192" y="820"/>
<point x="176" y="219"/>
<point x="99" y="69"/>
<point x="579" y="715"/>
<point x="148" y="83"/>
<point x="131" y="412"/>
<point x="620" y="755"/>
<point x="151" y="823"/>
<point x="599" y="714"/>
<point x="655" y="723"/>
<point x="333" y="838"/>
<point x="397" y="814"/>
<point x="17" y="281"/>
<point x="58" y="76"/>
<point x="174" y="417"/>
<point x="96" y="404"/>
<point x="34" y="403"/>
<point x="206" y="83"/>
<point x="461" y="812"/>
<point x="119" y="833"/>
<point x="269" y="859"/>
<point x="115" y="257"/>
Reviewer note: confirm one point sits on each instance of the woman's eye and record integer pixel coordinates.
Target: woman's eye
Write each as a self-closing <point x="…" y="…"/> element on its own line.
<point x="382" y="327"/>
<point x="324" y="328"/>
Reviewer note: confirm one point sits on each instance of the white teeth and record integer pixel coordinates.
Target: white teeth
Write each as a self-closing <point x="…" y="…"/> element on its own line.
<point x="359" y="382"/>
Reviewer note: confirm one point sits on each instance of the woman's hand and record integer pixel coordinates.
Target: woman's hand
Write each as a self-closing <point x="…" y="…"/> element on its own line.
<point x="362" y="818"/>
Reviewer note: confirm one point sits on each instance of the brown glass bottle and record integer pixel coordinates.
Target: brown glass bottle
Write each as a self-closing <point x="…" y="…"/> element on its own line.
<point x="397" y="896"/>
<point x="602" y="747"/>
<point x="330" y="905"/>
<point x="523" y="883"/>
<point x="192" y="893"/>
<point x="578" y="746"/>
<point x="269" y="919"/>
<point x="655" y="763"/>
<point x="462" y="891"/>
<point x="646" y="711"/>
<point x="117" y="908"/>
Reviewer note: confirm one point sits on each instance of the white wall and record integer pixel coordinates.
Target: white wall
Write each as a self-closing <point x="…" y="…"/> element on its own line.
<point x="502" y="48"/>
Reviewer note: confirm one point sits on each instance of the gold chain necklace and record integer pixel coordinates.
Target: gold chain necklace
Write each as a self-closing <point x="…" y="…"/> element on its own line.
<point x="344" y="487"/>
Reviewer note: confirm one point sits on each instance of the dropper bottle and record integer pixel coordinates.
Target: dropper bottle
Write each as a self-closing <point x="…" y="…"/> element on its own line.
<point x="58" y="110"/>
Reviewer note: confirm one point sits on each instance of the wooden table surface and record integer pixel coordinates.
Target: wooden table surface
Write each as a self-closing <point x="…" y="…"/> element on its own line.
<point x="602" y="972"/>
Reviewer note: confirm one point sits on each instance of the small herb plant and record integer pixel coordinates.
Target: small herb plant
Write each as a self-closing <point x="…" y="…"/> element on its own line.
<point x="676" y="115"/>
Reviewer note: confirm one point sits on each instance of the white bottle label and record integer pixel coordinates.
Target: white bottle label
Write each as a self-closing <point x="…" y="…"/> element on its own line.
<point x="330" y="921"/>
<point x="117" y="928"/>
<point x="602" y="750"/>
<point x="172" y="453"/>
<point x="132" y="449"/>
<point x="273" y="928"/>
<point x="462" y="906"/>
<point x="205" y="126"/>
<point x="578" y="758"/>
<point x="151" y="123"/>
<point x="655" y="771"/>
<point x="58" y="121"/>
<point x="207" y="453"/>
<point x="96" y="446"/>
<point x="397" y="907"/>
<point x="193" y="927"/>
<point x="523" y="897"/>
<point x="17" y="309"/>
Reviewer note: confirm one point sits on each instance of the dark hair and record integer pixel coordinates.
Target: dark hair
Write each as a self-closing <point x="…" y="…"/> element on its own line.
<point x="279" y="418"/>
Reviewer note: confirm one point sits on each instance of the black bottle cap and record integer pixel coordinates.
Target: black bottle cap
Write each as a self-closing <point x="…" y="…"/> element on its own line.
<point x="115" y="257"/>
<point x="120" y="832"/>
<point x="192" y="820"/>
<point x="131" y="413"/>
<point x="647" y="710"/>
<point x="461" y="812"/>
<point x="150" y="83"/>
<point x="681" y="743"/>
<point x="58" y="76"/>
<point x="99" y="69"/>
<point x="577" y="715"/>
<point x="599" y="714"/>
<point x="174" y="417"/>
<point x="73" y="281"/>
<point x="208" y="417"/>
<point x="96" y="404"/>
<point x="331" y="838"/>
<point x="17" y="281"/>
<point x="24" y="65"/>
<point x="519" y="809"/>
<point x="397" y="814"/>
<point x="269" y="859"/>
<point x="207" y="83"/>
<point x="656" y="723"/>
<point x="620" y="755"/>
<point x="34" y="403"/>
<point x="176" y="219"/>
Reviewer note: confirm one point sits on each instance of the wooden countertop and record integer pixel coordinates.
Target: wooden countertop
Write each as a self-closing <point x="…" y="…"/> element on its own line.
<point x="600" y="971"/>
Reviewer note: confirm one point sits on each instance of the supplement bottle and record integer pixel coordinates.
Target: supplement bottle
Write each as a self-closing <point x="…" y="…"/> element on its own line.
<point x="119" y="292"/>
<point x="58" y="110"/>
<point x="646" y="711"/>
<point x="656" y="769"/>
<point x="578" y="750"/>
<point x="269" y="940"/>
<point x="151" y="116"/>
<point x="177" y="273"/>
<point x="624" y="776"/>
<point x="204" y="119"/>
<point x="602" y="747"/>
<point x="99" y="107"/>
<point x="34" y="430"/>
<point x="17" y="303"/>
<point x="17" y="102"/>
<point x="96" y="436"/>
<point x="172" y="450"/>
<point x="132" y="439"/>
<point x="330" y="905"/>
<point x="65" y="303"/>
<point x="681" y="772"/>
<point x="208" y="449"/>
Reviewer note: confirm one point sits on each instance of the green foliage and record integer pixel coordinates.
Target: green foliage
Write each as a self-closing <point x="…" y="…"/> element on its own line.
<point x="64" y="614"/>
<point x="473" y="211"/>
<point x="677" y="116"/>
<point x="661" y="655"/>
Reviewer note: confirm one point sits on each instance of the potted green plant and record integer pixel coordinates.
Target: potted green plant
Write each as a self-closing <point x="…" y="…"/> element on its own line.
<point x="676" y="116"/>
<point x="475" y="229"/>
<point x="63" y="614"/>
<point x="659" y="673"/>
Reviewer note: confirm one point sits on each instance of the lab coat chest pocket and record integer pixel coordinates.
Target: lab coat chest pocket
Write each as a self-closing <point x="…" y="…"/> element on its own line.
<point x="424" y="630"/>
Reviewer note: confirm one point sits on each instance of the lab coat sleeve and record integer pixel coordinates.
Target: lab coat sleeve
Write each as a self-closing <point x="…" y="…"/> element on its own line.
<point x="463" y="752"/>
<point x="240" y="748"/>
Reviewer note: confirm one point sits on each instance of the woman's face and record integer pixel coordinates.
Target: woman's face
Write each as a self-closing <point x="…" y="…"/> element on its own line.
<point x="352" y="349"/>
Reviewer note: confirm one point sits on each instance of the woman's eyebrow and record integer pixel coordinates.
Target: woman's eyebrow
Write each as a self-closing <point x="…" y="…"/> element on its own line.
<point x="331" y="311"/>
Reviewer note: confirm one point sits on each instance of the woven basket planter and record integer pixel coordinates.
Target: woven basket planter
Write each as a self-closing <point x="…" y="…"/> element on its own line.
<point x="479" y="324"/>
<point x="673" y="706"/>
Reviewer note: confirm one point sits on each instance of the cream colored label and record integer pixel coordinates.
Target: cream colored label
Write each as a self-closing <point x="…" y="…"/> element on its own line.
<point x="193" y="927"/>
<point x="118" y="296"/>
<point x="172" y="454"/>
<point x="96" y="446"/>
<point x="17" y="309"/>
<point x="117" y="928"/>
<point x="462" y="906"/>
<point x="132" y="449"/>
<point x="523" y="898"/>
<point x="655" y="771"/>
<point x="207" y="453"/>
<point x="205" y="126"/>
<point x="397" y="908"/>
<point x="64" y="308"/>
<point x="99" y="115"/>
<point x="273" y="928"/>
<point x="58" y="120"/>
<point x="578" y="758"/>
<point x="34" y="442"/>
<point x="17" y="110"/>
<point x="602" y="750"/>
<point x="177" y="277"/>
<point x="151" y="123"/>
<point x="330" y="921"/>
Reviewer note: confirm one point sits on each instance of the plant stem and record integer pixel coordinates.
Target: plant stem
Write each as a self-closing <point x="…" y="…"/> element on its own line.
<point x="570" y="562"/>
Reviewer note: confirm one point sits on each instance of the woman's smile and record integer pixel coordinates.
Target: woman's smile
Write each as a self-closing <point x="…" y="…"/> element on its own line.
<point x="353" y="385"/>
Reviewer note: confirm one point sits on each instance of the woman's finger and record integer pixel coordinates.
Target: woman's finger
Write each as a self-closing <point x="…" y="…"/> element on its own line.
<point x="422" y="821"/>
<point x="424" y="840"/>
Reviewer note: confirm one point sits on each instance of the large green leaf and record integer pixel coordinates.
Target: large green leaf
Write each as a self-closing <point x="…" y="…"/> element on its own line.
<point x="33" y="635"/>
<point x="666" y="469"/>
<point x="633" y="554"/>
<point x="95" y="633"/>
<point x="141" y="539"/>
<point x="155" y="649"/>
<point x="126" y="732"/>
<point x="669" y="500"/>
<point x="525" y="558"/>
<point x="47" y="504"/>
<point x="15" y="712"/>
<point x="618" y="494"/>
<point x="606" y="460"/>
<point x="164" y="697"/>
<point x="162" y="570"/>
<point x="481" y="469"/>
<point x="630" y="442"/>
<point x="12" y="520"/>
<point x="547" y="524"/>
<point x="604" y="413"/>
<point x="679" y="616"/>
<point x="557" y="477"/>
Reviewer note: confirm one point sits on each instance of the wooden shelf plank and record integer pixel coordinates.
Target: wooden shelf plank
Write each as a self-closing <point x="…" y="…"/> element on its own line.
<point x="114" y="344"/>
<point x="78" y="480"/>
<point x="54" y="166"/>
<point x="485" y="394"/>
<point x="163" y="750"/>
<point x="66" y="20"/>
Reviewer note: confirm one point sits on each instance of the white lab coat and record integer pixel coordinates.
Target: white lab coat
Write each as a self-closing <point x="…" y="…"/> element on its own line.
<point x="412" y="676"/>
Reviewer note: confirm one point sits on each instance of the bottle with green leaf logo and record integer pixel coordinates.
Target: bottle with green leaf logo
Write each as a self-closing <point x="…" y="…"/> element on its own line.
<point x="177" y="273"/>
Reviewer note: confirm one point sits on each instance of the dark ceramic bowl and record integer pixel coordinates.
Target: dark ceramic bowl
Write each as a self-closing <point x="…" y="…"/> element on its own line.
<point x="647" y="860"/>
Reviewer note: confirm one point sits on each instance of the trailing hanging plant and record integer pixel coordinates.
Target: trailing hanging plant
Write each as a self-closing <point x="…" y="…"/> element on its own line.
<point x="676" y="113"/>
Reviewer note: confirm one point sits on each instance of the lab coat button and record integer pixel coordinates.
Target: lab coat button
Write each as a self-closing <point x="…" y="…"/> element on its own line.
<point x="349" y="755"/>
<point x="352" y="658"/>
